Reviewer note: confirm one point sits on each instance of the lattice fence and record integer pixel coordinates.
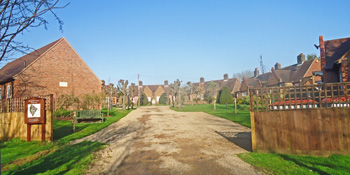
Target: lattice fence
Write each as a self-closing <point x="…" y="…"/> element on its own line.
<point x="332" y="95"/>
<point x="17" y="104"/>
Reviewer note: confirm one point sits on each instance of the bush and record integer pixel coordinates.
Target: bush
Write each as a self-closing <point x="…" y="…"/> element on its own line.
<point x="244" y="100"/>
<point x="144" y="100"/>
<point x="163" y="99"/>
<point x="225" y="96"/>
<point x="61" y="113"/>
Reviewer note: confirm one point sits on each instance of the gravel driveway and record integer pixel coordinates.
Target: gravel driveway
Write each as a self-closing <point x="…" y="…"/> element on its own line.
<point x="157" y="140"/>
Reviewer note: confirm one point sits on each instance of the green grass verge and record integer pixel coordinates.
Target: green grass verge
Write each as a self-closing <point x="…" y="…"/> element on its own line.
<point x="13" y="151"/>
<point x="69" y="158"/>
<point x="63" y="131"/>
<point x="242" y="117"/>
<point x="293" y="164"/>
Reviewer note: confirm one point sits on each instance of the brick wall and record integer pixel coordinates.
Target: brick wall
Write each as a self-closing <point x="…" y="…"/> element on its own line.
<point x="60" y="64"/>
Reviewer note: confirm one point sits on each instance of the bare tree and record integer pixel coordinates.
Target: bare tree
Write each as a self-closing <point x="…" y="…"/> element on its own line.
<point x="245" y="73"/>
<point x="131" y="95"/>
<point x="122" y="88"/>
<point x="191" y="89"/>
<point x="177" y="92"/>
<point x="17" y="16"/>
<point x="212" y="88"/>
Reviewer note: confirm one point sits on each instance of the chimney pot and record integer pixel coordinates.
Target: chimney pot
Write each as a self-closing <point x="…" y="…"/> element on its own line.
<point x="202" y="79"/>
<point x="301" y="58"/>
<point x="225" y="76"/>
<point x="256" y="72"/>
<point x="140" y="83"/>
<point x="166" y="82"/>
<point x="277" y="66"/>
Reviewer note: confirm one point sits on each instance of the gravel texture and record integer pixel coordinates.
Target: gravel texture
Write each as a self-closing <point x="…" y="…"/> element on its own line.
<point x="157" y="140"/>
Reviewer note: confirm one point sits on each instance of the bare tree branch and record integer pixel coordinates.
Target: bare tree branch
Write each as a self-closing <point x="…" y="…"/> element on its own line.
<point x="16" y="16"/>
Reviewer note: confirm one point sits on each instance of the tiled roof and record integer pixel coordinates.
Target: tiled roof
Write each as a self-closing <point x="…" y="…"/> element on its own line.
<point x="335" y="49"/>
<point x="251" y="82"/>
<point x="10" y="69"/>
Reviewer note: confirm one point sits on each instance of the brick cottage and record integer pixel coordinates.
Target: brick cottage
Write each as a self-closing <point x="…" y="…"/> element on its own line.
<point x="53" y="69"/>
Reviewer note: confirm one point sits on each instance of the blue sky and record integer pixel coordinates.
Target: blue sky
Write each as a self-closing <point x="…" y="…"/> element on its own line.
<point x="187" y="39"/>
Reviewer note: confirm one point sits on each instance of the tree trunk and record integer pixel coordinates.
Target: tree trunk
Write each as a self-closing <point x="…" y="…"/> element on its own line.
<point x="214" y="104"/>
<point x="124" y="99"/>
<point x="191" y="99"/>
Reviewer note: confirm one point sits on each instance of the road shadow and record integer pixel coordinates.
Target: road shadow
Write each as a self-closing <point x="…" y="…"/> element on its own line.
<point x="241" y="139"/>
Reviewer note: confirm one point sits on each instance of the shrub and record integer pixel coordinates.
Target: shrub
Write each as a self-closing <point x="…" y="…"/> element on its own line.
<point x="144" y="100"/>
<point x="244" y="100"/>
<point x="163" y="99"/>
<point x="225" y="96"/>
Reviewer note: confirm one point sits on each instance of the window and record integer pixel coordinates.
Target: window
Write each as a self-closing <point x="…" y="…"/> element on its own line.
<point x="8" y="91"/>
<point x="0" y="93"/>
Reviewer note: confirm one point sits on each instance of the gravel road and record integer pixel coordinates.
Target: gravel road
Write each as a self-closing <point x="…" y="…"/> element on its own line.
<point x="157" y="140"/>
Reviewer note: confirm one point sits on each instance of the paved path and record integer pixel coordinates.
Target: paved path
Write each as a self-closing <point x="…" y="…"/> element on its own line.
<point x="157" y="140"/>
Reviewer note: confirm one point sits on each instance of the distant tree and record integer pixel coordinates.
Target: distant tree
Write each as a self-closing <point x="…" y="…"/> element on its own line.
<point x="245" y="73"/>
<point x="163" y="99"/>
<point x="191" y="91"/>
<point x="212" y="88"/>
<point x="225" y="96"/>
<point x="17" y="16"/>
<point x="122" y="89"/>
<point x="131" y="96"/>
<point x="177" y="92"/>
<point x="312" y="56"/>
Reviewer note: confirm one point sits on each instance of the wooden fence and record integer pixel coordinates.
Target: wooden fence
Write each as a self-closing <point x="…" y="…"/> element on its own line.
<point x="308" y="120"/>
<point x="12" y="123"/>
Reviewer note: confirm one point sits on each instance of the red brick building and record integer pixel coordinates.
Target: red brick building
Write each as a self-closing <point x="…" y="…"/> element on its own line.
<point x="53" y="69"/>
<point x="335" y="60"/>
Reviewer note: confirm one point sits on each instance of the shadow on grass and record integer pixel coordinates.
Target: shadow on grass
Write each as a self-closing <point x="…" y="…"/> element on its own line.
<point x="60" y="161"/>
<point x="65" y="130"/>
<point x="286" y="157"/>
<point x="241" y="139"/>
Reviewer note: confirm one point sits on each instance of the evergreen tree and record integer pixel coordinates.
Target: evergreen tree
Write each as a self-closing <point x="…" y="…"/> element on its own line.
<point x="163" y="99"/>
<point x="225" y="96"/>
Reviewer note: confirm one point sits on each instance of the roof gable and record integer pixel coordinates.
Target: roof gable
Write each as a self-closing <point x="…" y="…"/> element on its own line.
<point x="335" y="49"/>
<point x="11" y="69"/>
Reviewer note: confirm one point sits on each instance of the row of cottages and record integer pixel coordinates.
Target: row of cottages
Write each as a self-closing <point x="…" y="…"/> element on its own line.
<point x="152" y="92"/>
<point x="335" y="60"/>
<point x="53" y="69"/>
<point x="232" y="83"/>
<point x="297" y="74"/>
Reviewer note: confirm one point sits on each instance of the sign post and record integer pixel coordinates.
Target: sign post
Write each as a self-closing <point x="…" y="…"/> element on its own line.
<point x="35" y="114"/>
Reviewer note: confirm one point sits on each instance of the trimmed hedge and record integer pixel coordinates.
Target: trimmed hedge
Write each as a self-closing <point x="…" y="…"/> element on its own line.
<point x="162" y="99"/>
<point x="225" y="96"/>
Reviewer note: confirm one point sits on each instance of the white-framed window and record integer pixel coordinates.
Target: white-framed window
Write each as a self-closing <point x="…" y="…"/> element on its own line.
<point x="8" y="91"/>
<point x="0" y="93"/>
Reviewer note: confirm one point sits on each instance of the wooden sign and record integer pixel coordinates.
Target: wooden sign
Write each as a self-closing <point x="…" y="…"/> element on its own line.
<point x="35" y="111"/>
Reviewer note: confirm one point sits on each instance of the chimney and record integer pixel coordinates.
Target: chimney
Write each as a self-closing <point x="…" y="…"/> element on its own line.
<point x="277" y="66"/>
<point x="202" y="79"/>
<point x="301" y="58"/>
<point x="166" y="83"/>
<point x="322" y="58"/>
<point x="103" y="82"/>
<point x="140" y="83"/>
<point x="225" y="77"/>
<point x="132" y="84"/>
<point x="256" y="72"/>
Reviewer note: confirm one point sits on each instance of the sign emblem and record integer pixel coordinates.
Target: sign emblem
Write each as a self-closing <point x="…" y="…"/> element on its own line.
<point x="33" y="109"/>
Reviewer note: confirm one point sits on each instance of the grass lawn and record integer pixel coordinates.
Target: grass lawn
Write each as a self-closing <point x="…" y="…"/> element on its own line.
<point x="58" y="157"/>
<point x="242" y="117"/>
<point x="293" y="164"/>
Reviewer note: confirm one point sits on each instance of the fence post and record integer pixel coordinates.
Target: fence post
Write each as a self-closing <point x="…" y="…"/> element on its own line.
<point x="235" y="105"/>
<point x="73" y="120"/>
